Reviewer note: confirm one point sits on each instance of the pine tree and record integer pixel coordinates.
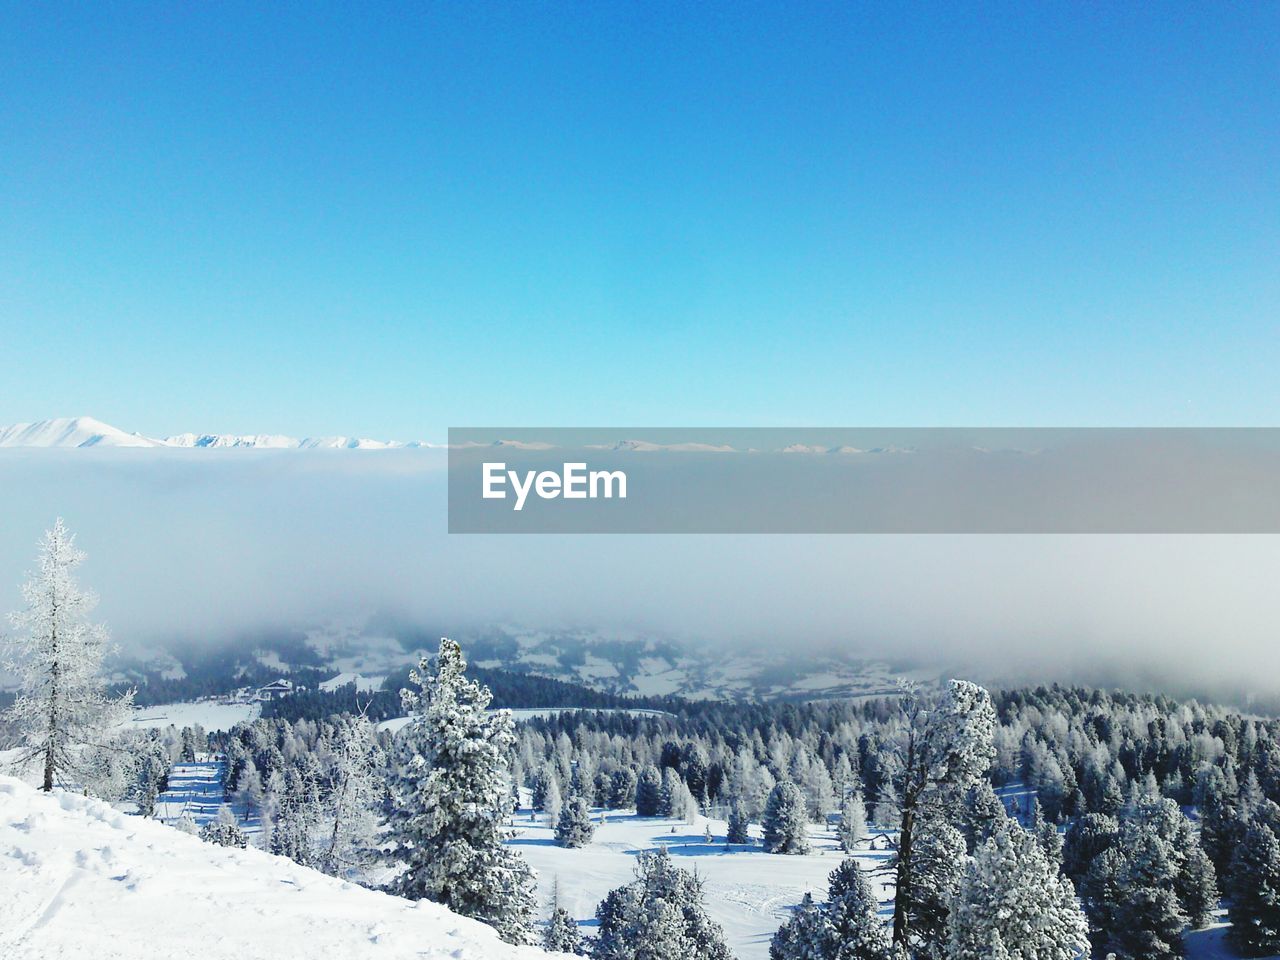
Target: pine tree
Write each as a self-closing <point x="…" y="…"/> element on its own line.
<point x="561" y="935"/>
<point x="852" y="911"/>
<point x="574" y="828"/>
<point x="806" y="936"/>
<point x="551" y="801"/>
<point x="450" y="798"/>
<point x="1012" y="895"/>
<point x="945" y="746"/>
<point x="658" y="916"/>
<point x="1253" y="885"/>
<point x="845" y="927"/>
<point x="63" y="717"/>
<point x="649" y="793"/>
<point x="347" y="840"/>
<point x="853" y="821"/>
<point x="739" y="825"/>
<point x="939" y="855"/>
<point x="786" y="820"/>
<point x="1046" y="833"/>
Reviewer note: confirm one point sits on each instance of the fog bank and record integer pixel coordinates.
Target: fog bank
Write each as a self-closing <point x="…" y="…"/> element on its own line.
<point x="209" y="543"/>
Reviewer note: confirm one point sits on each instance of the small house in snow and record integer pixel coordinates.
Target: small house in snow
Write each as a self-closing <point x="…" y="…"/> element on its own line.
<point x="276" y="689"/>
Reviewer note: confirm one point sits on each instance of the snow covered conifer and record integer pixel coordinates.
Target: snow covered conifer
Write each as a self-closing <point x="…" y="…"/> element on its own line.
<point x="786" y="820"/>
<point x="551" y="801"/>
<point x="852" y="911"/>
<point x="1253" y="883"/>
<point x="1011" y="890"/>
<point x="63" y="716"/>
<point x="649" y="792"/>
<point x="805" y="936"/>
<point x="574" y="828"/>
<point x="347" y="827"/>
<point x="945" y="746"/>
<point x="658" y="916"/>
<point x="939" y="854"/>
<point x="561" y="935"/>
<point x="853" y="820"/>
<point x="450" y="798"/>
<point x="739" y="825"/>
<point x="846" y="927"/>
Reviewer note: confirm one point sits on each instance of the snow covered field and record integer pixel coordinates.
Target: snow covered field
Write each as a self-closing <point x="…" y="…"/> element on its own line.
<point x="78" y="878"/>
<point x="210" y="714"/>
<point x="749" y="892"/>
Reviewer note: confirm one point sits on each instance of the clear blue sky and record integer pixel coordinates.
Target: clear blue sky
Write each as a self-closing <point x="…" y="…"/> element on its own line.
<point x="309" y="219"/>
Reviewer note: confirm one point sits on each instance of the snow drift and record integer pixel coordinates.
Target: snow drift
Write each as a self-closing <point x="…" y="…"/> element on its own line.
<point x="78" y="878"/>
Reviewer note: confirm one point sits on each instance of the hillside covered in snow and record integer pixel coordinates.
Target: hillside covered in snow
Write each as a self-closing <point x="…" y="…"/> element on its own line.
<point x="79" y="878"/>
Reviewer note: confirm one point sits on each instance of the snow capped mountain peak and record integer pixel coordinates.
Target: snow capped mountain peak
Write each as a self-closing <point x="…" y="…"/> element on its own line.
<point x="71" y="432"/>
<point x="88" y="432"/>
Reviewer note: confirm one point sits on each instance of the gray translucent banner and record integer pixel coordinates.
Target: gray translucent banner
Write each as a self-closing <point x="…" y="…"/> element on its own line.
<point x="864" y="480"/>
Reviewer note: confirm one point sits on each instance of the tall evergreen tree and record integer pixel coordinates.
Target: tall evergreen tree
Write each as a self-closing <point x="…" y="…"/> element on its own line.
<point x="574" y="828"/>
<point x="649" y="792"/>
<point x="853" y="820"/>
<point x="944" y="747"/>
<point x="450" y="798"/>
<point x="739" y="825"/>
<point x="1253" y="887"/>
<point x="63" y="716"/>
<point x="786" y="820"/>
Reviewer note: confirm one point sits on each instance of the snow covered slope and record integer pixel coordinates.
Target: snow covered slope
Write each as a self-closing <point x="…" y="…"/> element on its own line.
<point x="78" y="878"/>
<point x="71" y="432"/>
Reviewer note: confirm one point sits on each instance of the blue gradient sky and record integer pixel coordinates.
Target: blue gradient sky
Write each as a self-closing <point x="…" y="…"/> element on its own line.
<point x="288" y="218"/>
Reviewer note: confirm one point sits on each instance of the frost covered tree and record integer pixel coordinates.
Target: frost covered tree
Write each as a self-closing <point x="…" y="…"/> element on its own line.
<point x="939" y="854"/>
<point x="1252" y="882"/>
<point x="63" y="716"/>
<point x="981" y="814"/>
<point x="347" y="834"/>
<point x="551" y="801"/>
<point x="944" y="746"/>
<point x="574" y="828"/>
<point x="846" y="927"/>
<point x="658" y="916"/>
<point x="1013" y="895"/>
<point x="806" y="936"/>
<point x="561" y="935"/>
<point x="853" y="820"/>
<point x="450" y="797"/>
<point x="786" y="820"/>
<point x="1151" y="883"/>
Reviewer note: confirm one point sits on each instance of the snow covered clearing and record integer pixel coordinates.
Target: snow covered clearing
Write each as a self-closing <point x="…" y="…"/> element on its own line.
<point x="78" y="878"/>
<point x="211" y="714"/>
<point x="363" y="684"/>
<point x="748" y="892"/>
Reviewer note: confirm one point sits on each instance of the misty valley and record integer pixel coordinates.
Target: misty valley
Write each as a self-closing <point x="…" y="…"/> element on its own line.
<point x="630" y="797"/>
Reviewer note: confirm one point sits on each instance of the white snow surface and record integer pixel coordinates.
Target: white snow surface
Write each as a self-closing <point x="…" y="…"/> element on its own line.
<point x="750" y="893"/>
<point x="211" y="714"/>
<point x="71" y="432"/>
<point x="80" y="879"/>
<point x="88" y="432"/>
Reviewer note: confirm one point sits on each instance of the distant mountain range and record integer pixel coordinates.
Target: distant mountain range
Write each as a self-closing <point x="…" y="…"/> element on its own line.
<point x="88" y="432"/>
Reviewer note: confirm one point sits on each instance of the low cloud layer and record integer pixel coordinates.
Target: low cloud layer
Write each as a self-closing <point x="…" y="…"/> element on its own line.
<point x="209" y="544"/>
